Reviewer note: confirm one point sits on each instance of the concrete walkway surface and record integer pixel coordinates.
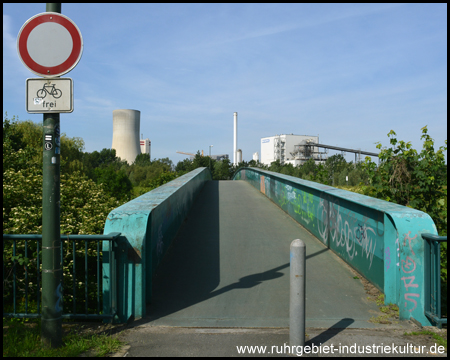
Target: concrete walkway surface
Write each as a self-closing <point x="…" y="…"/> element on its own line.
<point x="158" y="341"/>
<point x="225" y="283"/>
<point x="229" y="267"/>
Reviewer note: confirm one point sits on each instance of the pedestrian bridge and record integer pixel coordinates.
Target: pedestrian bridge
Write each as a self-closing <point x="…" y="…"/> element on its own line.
<point x="198" y="252"/>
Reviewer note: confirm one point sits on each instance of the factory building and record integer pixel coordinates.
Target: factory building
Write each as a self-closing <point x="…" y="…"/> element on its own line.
<point x="220" y="157"/>
<point x="290" y="149"/>
<point x="146" y="147"/>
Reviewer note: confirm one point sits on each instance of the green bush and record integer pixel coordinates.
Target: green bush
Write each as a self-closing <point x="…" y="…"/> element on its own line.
<point x="84" y="208"/>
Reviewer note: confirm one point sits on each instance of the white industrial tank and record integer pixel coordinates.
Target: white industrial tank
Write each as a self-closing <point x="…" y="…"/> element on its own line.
<point x="125" y="141"/>
<point x="238" y="156"/>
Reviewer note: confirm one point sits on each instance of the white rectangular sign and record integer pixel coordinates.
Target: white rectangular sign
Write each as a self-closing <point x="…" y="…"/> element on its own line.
<point x="53" y="95"/>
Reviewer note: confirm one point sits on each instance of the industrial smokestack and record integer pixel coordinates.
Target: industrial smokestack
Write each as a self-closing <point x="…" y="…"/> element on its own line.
<point x="235" y="140"/>
<point x="125" y="141"/>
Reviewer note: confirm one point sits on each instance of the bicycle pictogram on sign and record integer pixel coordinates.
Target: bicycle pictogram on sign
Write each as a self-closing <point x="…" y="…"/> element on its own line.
<point x="53" y="95"/>
<point x="42" y="93"/>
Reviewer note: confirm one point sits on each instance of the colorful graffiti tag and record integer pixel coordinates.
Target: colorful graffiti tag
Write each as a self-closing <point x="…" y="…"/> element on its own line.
<point x="408" y="268"/>
<point x="348" y="230"/>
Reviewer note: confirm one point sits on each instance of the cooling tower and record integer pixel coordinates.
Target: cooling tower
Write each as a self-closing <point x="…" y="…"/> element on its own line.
<point x="235" y="139"/>
<point x="126" y="134"/>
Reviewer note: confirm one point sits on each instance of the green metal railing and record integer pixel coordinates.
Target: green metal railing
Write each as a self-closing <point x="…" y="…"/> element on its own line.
<point x="18" y="268"/>
<point x="433" y="278"/>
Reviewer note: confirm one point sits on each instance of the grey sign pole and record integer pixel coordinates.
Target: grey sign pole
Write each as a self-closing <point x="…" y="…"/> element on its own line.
<point x="51" y="318"/>
<point x="297" y="293"/>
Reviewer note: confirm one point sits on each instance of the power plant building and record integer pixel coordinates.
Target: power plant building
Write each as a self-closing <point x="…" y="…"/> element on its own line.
<point x="290" y="149"/>
<point x="146" y="146"/>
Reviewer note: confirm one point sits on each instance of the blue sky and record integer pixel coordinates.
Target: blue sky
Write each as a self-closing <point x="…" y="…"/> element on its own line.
<point x="346" y="72"/>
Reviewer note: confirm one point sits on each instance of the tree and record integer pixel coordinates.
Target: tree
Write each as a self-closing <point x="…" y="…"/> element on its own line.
<point x="162" y="179"/>
<point x="417" y="180"/>
<point x="336" y="163"/>
<point x="104" y="158"/>
<point x="275" y="166"/>
<point x="116" y="183"/>
<point x="84" y="205"/>
<point x="308" y="169"/>
<point x="183" y="166"/>
<point x="84" y="208"/>
<point x="320" y="174"/>
<point x="409" y="178"/>
<point x="200" y="161"/>
<point x="71" y="154"/>
<point x="288" y="169"/>
<point x="142" y="160"/>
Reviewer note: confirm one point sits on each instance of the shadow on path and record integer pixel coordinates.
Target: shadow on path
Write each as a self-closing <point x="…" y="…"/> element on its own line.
<point x="190" y="272"/>
<point x="330" y="333"/>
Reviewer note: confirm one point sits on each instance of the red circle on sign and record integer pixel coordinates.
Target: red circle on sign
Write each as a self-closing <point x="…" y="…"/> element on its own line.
<point x="50" y="71"/>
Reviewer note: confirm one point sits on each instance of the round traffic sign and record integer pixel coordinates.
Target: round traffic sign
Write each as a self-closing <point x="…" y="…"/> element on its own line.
<point x="49" y="44"/>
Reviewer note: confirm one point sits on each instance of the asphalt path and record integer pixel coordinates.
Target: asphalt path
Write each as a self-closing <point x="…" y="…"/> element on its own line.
<point x="229" y="267"/>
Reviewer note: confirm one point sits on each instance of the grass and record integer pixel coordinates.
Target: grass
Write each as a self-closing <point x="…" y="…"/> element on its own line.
<point x="390" y="312"/>
<point x="439" y="339"/>
<point x="380" y="300"/>
<point x="27" y="334"/>
<point x="139" y="190"/>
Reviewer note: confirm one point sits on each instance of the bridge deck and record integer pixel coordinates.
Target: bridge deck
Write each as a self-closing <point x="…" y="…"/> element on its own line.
<point x="229" y="267"/>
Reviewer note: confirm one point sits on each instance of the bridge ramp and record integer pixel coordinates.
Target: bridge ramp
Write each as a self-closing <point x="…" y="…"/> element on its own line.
<point x="229" y="267"/>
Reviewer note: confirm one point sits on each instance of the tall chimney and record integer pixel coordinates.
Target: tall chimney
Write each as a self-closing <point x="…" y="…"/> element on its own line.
<point x="235" y="139"/>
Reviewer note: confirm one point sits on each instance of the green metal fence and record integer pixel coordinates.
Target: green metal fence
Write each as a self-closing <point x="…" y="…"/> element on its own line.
<point x="433" y="278"/>
<point x="82" y="278"/>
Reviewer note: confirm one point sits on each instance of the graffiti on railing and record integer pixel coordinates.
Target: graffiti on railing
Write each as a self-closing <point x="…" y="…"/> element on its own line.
<point x="302" y="203"/>
<point x="408" y="266"/>
<point x="387" y="258"/>
<point x="365" y="241"/>
<point x="323" y="220"/>
<point x="398" y="251"/>
<point x="346" y="231"/>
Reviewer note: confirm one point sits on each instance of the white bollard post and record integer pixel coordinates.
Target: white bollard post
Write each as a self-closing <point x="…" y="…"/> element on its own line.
<point x="297" y="293"/>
